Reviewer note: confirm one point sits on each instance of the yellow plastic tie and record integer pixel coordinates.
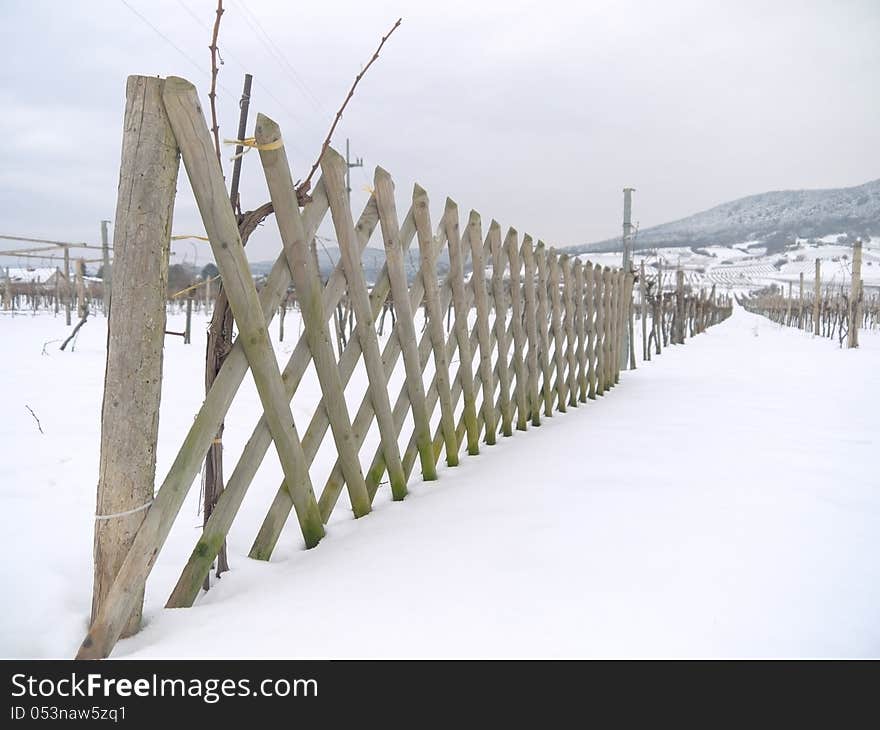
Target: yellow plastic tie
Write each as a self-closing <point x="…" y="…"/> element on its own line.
<point x="250" y="143"/>
<point x="184" y="237"/>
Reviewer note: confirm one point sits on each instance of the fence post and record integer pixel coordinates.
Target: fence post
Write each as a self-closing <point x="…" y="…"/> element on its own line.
<point x="801" y="303"/>
<point x="855" y="295"/>
<point x="678" y="329"/>
<point x="817" y="298"/>
<point x="132" y="385"/>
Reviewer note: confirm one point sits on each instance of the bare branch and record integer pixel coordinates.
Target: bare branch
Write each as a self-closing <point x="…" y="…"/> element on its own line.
<point x="302" y="188"/>
<point x="35" y="418"/>
<point x="214" y="70"/>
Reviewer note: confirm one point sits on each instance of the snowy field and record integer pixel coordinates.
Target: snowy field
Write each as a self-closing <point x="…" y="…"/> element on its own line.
<point x="723" y="500"/>
<point x="747" y="265"/>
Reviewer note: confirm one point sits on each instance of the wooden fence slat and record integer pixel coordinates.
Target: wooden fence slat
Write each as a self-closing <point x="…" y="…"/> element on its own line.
<point x="399" y="407"/>
<point x="590" y="324"/>
<point x="460" y="304"/>
<point x="406" y="333"/>
<point x="511" y="246"/>
<point x="481" y="304"/>
<point x="568" y="285"/>
<point x="434" y="313"/>
<point x="169" y="498"/>
<point x="334" y="168"/>
<point x="203" y="170"/>
<point x="544" y="328"/>
<point x="306" y="279"/>
<point x="557" y="331"/>
<point x="599" y="301"/>
<point x="530" y="298"/>
<point x="608" y="323"/>
<point x="580" y="327"/>
<point x="500" y="304"/>
<point x="366" y="412"/>
<point x="389" y="356"/>
<point x="224" y="512"/>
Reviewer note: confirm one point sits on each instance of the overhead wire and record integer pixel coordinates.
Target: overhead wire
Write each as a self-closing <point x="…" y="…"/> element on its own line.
<point x="176" y="47"/>
<point x="257" y="81"/>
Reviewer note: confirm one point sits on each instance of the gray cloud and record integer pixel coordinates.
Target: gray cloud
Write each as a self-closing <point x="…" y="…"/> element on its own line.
<point x="536" y="114"/>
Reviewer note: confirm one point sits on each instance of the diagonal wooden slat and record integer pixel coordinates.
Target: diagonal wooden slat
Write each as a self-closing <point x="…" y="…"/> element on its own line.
<point x="168" y="500"/>
<point x="499" y="265"/>
<point x="544" y="328"/>
<point x="206" y="178"/>
<point x="460" y="304"/>
<point x="281" y="506"/>
<point x="557" y="331"/>
<point x="519" y="337"/>
<point x="434" y="312"/>
<point x="374" y="474"/>
<point x="406" y="333"/>
<point x="308" y="288"/>
<point x="599" y="299"/>
<point x="530" y="298"/>
<point x="580" y="325"/>
<point x="590" y="296"/>
<point x="568" y="297"/>
<point x="481" y="302"/>
<point x="334" y="167"/>
<point x="366" y="413"/>
<point x="227" y="506"/>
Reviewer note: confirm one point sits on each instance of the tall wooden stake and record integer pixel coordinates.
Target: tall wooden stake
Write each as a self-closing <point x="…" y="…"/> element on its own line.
<point x="855" y="295"/>
<point x="136" y="331"/>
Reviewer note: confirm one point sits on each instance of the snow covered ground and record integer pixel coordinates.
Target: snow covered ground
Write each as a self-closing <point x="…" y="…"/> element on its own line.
<point x="722" y="500"/>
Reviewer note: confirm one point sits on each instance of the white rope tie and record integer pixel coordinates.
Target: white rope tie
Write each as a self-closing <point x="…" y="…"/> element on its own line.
<point x="124" y="514"/>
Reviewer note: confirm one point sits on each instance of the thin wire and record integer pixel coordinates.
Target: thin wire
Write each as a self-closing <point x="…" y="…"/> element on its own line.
<point x="230" y="55"/>
<point x="177" y="48"/>
<point x="280" y="55"/>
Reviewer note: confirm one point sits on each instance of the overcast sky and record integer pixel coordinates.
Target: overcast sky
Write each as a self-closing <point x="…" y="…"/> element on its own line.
<point x="536" y="114"/>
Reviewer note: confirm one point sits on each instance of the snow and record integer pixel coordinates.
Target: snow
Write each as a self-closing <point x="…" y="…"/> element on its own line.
<point x="720" y="501"/>
<point x="28" y="274"/>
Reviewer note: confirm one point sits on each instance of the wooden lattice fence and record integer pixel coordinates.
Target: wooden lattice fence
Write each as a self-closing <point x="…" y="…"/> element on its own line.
<point x="535" y="333"/>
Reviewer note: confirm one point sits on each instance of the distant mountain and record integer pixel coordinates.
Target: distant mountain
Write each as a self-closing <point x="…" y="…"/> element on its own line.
<point x="373" y="259"/>
<point x="772" y="219"/>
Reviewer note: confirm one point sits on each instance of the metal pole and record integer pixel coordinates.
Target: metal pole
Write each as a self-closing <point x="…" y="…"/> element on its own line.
<point x="243" y="105"/>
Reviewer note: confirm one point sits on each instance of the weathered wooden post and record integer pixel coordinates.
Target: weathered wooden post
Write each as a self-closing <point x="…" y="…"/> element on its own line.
<point x="68" y="292"/>
<point x="855" y="295"/>
<point x="801" y="304"/>
<point x="787" y="321"/>
<point x="82" y="306"/>
<point x="643" y="295"/>
<point x="817" y="298"/>
<point x="187" y="331"/>
<point x="7" y="291"/>
<point x="678" y="329"/>
<point x="132" y="385"/>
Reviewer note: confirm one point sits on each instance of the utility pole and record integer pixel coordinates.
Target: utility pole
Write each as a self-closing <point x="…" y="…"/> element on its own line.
<point x="627" y="267"/>
<point x="108" y="278"/>
<point x="348" y="165"/>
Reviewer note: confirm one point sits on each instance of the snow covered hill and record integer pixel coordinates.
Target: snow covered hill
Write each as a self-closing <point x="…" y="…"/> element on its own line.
<point x="769" y="218"/>
<point x="749" y="265"/>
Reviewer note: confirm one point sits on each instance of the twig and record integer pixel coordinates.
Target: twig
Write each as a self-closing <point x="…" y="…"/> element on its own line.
<point x="212" y="95"/>
<point x="75" y="330"/>
<point x="303" y="187"/>
<point x="35" y="418"/>
<point x="48" y="342"/>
